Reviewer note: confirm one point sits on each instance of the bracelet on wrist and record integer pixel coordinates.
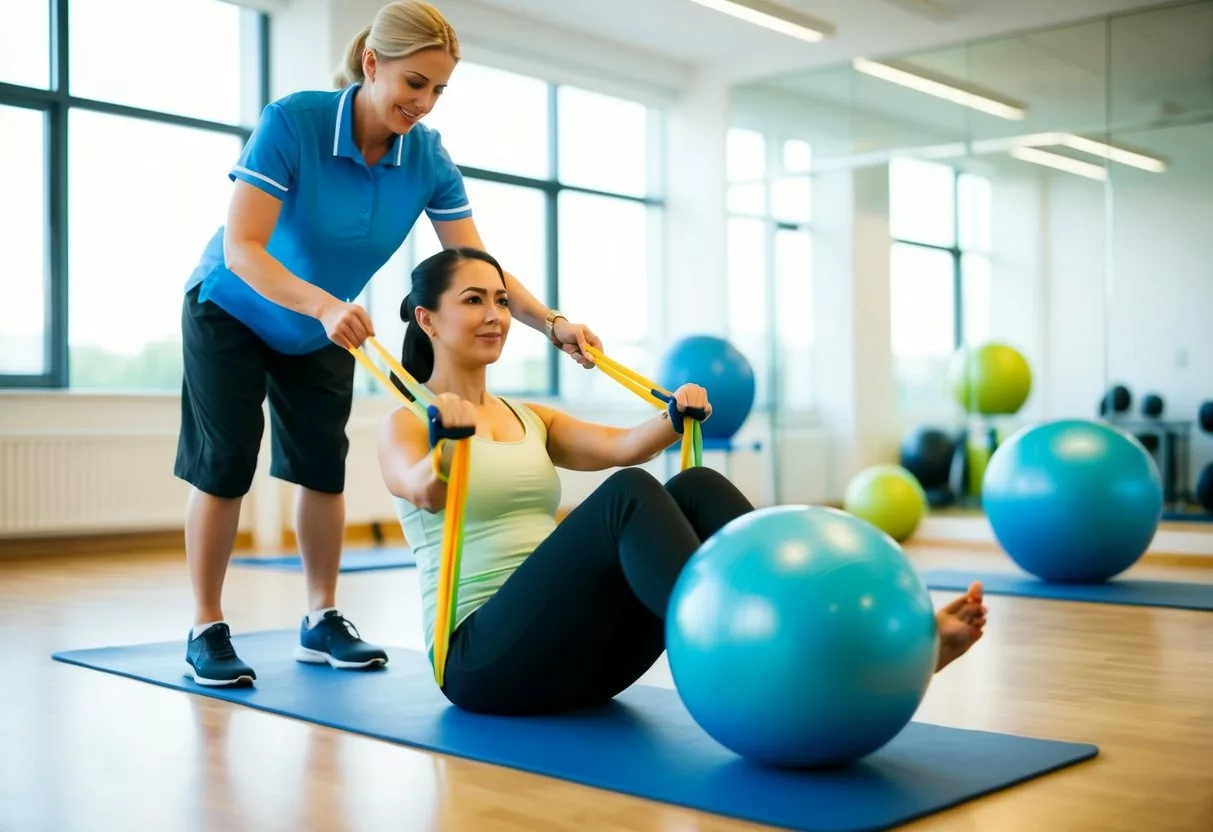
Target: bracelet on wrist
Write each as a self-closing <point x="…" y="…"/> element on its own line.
<point x="549" y="326"/>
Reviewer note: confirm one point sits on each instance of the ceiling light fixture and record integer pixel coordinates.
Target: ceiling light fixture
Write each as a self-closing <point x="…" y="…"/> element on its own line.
<point x="1113" y="153"/>
<point x="1062" y="163"/>
<point x="917" y="79"/>
<point x="773" y="17"/>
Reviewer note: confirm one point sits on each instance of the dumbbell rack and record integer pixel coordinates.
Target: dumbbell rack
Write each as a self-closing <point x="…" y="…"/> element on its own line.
<point x="1173" y="454"/>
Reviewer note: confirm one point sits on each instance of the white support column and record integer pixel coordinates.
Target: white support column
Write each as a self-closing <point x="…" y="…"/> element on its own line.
<point x="856" y="393"/>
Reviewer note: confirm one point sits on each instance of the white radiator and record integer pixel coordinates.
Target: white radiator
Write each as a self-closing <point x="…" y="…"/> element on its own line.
<point x="66" y="482"/>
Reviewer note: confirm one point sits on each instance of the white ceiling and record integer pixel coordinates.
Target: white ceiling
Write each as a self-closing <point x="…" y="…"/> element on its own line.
<point x="737" y="51"/>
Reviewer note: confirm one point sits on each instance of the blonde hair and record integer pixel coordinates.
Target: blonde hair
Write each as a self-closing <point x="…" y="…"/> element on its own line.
<point x="399" y="30"/>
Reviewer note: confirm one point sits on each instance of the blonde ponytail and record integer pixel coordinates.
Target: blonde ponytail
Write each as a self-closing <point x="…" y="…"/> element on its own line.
<point x="350" y="69"/>
<point x="399" y="30"/>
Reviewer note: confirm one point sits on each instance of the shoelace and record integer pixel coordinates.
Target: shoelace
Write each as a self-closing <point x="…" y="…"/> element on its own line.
<point x="340" y="620"/>
<point x="349" y="626"/>
<point x="218" y="643"/>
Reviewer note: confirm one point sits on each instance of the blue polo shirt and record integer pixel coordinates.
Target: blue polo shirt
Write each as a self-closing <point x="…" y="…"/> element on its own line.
<point x="341" y="219"/>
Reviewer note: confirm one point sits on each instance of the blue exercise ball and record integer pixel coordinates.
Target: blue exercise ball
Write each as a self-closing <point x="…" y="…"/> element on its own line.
<point x="1073" y="500"/>
<point x="801" y="637"/>
<point x="721" y="369"/>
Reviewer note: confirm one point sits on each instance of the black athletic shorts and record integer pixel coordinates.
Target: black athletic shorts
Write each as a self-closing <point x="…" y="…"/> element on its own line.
<point x="228" y="373"/>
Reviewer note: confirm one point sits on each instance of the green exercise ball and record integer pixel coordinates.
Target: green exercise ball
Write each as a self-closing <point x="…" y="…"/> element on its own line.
<point x="888" y="497"/>
<point x="990" y="379"/>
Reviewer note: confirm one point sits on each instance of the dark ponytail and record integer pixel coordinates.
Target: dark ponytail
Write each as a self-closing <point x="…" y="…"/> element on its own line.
<point x="417" y="354"/>
<point x="431" y="278"/>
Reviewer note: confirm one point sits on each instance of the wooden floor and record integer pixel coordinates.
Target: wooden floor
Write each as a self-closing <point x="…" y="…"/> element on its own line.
<point x="89" y="751"/>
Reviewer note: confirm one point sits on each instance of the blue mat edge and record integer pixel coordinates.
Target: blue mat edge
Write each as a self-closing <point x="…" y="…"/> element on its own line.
<point x="936" y="578"/>
<point x="296" y="566"/>
<point x="1187" y="517"/>
<point x="394" y="557"/>
<point x="1080" y="752"/>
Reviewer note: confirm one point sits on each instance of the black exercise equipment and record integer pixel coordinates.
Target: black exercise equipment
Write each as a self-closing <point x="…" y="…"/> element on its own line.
<point x="926" y="453"/>
<point x="1117" y="400"/>
<point x="1204" y="488"/>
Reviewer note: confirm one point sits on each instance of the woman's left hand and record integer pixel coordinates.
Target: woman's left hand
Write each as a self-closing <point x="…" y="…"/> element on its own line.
<point x="692" y="395"/>
<point x="573" y="340"/>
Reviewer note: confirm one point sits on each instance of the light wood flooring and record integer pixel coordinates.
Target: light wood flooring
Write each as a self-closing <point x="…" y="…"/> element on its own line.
<point x="83" y="750"/>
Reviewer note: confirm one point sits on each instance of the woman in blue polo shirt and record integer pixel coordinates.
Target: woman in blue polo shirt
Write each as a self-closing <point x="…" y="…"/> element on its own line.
<point x="326" y="190"/>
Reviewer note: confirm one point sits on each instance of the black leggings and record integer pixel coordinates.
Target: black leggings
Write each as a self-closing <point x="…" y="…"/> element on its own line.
<point x="584" y="616"/>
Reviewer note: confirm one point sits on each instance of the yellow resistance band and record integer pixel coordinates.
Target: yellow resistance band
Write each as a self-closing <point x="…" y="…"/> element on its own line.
<point x="662" y="399"/>
<point x="456" y="495"/>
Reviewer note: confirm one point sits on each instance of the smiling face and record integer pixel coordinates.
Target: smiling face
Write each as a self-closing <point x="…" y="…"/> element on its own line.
<point x="404" y="90"/>
<point x="473" y="315"/>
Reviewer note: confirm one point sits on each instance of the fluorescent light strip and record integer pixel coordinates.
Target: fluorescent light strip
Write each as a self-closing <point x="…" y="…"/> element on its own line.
<point x="948" y="92"/>
<point x="1080" y="143"/>
<point x="1114" y="154"/>
<point x="773" y="17"/>
<point x="1062" y="163"/>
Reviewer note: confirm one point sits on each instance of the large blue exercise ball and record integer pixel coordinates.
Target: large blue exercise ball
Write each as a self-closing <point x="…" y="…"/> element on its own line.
<point x="721" y="369"/>
<point x="1073" y="500"/>
<point x="801" y="637"/>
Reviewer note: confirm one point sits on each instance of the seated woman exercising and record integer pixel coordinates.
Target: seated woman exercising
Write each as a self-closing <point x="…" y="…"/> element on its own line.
<point x="550" y="617"/>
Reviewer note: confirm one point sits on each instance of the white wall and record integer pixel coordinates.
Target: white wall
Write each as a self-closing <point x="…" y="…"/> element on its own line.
<point x="1075" y="374"/>
<point x="695" y="298"/>
<point x="1019" y="303"/>
<point x="853" y="365"/>
<point x="1160" y="311"/>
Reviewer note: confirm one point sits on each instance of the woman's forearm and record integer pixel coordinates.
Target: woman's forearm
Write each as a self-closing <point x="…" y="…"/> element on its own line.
<point x="421" y="486"/>
<point x="524" y="306"/>
<point x="273" y="281"/>
<point x="647" y="440"/>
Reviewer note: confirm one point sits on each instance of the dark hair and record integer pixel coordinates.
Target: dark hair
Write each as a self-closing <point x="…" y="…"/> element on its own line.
<point x="431" y="278"/>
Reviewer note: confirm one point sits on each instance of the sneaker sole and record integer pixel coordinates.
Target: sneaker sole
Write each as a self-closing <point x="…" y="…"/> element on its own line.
<point x="303" y="654"/>
<point x="190" y="673"/>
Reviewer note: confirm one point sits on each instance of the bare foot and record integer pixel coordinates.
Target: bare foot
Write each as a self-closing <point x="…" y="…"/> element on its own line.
<point x="961" y="624"/>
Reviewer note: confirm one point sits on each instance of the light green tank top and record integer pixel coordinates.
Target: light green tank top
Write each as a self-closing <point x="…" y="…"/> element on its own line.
<point x="513" y="492"/>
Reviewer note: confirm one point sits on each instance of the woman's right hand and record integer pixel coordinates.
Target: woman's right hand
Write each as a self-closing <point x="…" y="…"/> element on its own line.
<point x="455" y="412"/>
<point x="347" y="324"/>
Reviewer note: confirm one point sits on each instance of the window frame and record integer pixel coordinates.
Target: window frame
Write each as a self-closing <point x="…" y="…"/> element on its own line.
<point x="774" y="170"/>
<point x="957" y="252"/>
<point x="56" y="102"/>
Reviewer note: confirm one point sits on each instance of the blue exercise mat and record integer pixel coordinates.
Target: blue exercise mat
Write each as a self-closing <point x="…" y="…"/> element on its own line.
<point x="1180" y="595"/>
<point x="1187" y="517"/>
<point x="352" y="560"/>
<point x="643" y="744"/>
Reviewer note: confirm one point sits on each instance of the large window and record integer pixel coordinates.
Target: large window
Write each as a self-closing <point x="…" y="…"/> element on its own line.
<point x="939" y="273"/>
<point x="24" y="278"/>
<point x="770" y="294"/>
<point x="128" y="264"/>
<point x="25" y="44"/>
<point x="125" y="116"/>
<point x="565" y="194"/>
